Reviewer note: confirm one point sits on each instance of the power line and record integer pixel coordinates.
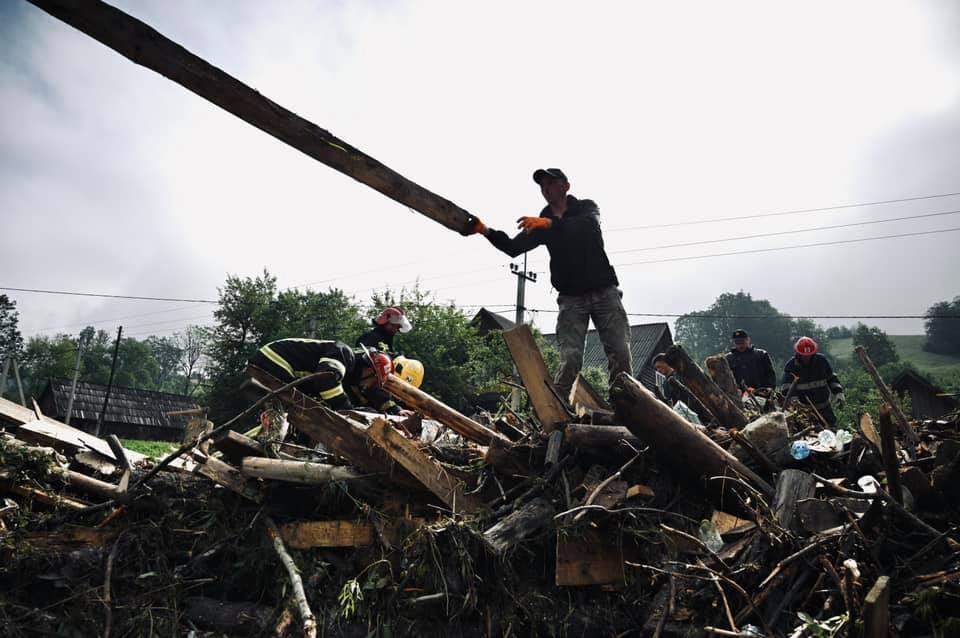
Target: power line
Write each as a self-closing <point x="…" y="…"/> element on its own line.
<point x="782" y="213"/>
<point x="783" y="232"/>
<point x="96" y="321"/>
<point x="694" y="315"/>
<point x="106" y="296"/>
<point x="768" y="250"/>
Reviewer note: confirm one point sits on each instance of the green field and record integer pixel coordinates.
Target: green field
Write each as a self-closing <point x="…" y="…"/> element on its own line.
<point x="910" y="349"/>
<point x="153" y="449"/>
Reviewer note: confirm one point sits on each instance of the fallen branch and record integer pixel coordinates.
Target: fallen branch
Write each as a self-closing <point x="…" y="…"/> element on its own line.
<point x="299" y="596"/>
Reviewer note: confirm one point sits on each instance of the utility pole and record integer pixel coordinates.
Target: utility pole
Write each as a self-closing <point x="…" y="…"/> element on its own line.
<point x="523" y="276"/>
<point x="73" y="384"/>
<point x="113" y="368"/>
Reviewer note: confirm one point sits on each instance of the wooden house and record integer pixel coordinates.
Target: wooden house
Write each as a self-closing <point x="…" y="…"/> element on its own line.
<point x="927" y="400"/>
<point x="131" y="413"/>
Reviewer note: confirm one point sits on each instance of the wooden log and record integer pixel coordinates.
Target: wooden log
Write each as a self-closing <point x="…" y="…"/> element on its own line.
<point x="194" y="430"/>
<point x="52" y="500"/>
<point x="554" y="443"/>
<point x="431" y="474"/>
<point x="226" y="618"/>
<point x="225" y="475"/>
<point x="708" y="392"/>
<point x="593" y="557"/>
<point x="526" y="521"/>
<point x="876" y="610"/>
<point x="673" y="440"/>
<point x="145" y="46"/>
<point x="508" y="458"/>
<point x="533" y="372"/>
<point x="235" y="447"/>
<point x="309" y="534"/>
<point x="792" y="486"/>
<point x="94" y="486"/>
<point x="722" y="375"/>
<point x="889" y="451"/>
<point x="296" y="471"/>
<point x="414" y="397"/>
<point x="597" y="438"/>
<point x="908" y="432"/>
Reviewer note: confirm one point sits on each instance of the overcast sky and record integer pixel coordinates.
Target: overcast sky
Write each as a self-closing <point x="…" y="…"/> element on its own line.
<point x="115" y="180"/>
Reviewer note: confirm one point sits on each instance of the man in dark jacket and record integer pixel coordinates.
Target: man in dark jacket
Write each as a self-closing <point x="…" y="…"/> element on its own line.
<point x="752" y="367"/>
<point x="347" y="371"/>
<point x="579" y="271"/>
<point x="386" y="325"/>
<point x="815" y="380"/>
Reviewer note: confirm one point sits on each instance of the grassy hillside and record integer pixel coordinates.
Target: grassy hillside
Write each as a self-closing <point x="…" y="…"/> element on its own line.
<point x="910" y="348"/>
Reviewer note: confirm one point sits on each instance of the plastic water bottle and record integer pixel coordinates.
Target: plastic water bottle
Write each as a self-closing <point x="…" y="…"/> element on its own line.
<point x="799" y="450"/>
<point x="751" y="630"/>
<point x="828" y="439"/>
<point x="844" y="437"/>
<point x="710" y="536"/>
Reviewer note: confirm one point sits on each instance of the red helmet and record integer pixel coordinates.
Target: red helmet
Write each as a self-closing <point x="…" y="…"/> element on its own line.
<point x="395" y="316"/>
<point x="382" y="364"/>
<point x="805" y="346"/>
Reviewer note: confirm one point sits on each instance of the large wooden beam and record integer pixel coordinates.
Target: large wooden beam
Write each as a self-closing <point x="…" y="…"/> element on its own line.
<point x="147" y="47"/>
<point x="357" y="533"/>
<point x="533" y="372"/>
<point x="705" y="389"/>
<point x="296" y="471"/>
<point x="673" y="440"/>
<point x="722" y="375"/>
<point x="414" y="397"/>
<point x="430" y="473"/>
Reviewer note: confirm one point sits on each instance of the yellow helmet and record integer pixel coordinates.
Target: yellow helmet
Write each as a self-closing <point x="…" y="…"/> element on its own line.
<point x="410" y="370"/>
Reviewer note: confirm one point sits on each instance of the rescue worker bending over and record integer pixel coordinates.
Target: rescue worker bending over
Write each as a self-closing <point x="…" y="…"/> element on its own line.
<point x="350" y="375"/>
<point x="385" y="327"/>
<point x="752" y="368"/>
<point x="815" y="378"/>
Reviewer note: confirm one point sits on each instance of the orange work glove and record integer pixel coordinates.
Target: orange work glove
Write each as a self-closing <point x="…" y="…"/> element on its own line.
<point x="475" y="226"/>
<point x="530" y="224"/>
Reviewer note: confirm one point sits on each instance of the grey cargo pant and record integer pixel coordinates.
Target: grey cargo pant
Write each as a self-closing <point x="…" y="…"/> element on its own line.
<point x="606" y="309"/>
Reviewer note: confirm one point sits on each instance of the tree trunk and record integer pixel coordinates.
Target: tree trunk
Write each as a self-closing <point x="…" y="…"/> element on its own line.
<point x="145" y="46"/>
<point x="674" y="441"/>
<point x="722" y="375"/>
<point x="597" y="438"/>
<point x="413" y="397"/>
<point x="296" y="471"/>
<point x="792" y="486"/>
<point x="708" y="392"/>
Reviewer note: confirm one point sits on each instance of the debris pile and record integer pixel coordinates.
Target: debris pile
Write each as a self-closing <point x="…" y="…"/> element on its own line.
<point x="761" y="523"/>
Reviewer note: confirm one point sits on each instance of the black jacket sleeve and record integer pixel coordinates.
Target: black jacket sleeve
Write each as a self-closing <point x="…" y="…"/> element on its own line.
<point x="517" y="245"/>
<point x="767" y="373"/>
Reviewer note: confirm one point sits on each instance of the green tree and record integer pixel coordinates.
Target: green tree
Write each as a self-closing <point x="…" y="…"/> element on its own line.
<point x="877" y="343"/>
<point x="707" y="332"/>
<point x="11" y="341"/>
<point x="167" y="353"/>
<point x="942" y="325"/>
<point x="839" y="332"/>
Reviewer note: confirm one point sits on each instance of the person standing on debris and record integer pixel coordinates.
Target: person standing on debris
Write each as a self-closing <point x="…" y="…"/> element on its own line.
<point x="386" y="325"/>
<point x="752" y="368"/>
<point x="579" y="271"/>
<point x="348" y="373"/>
<point x="811" y="378"/>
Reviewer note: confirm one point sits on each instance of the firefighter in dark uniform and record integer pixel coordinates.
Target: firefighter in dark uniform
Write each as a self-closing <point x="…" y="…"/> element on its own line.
<point x="752" y="368"/>
<point x="385" y="327"/>
<point x="815" y="379"/>
<point x="351" y="379"/>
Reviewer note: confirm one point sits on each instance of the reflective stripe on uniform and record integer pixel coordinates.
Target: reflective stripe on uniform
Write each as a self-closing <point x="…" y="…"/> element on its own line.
<point x="389" y="403"/>
<point x="326" y="395"/>
<point x="334" y="363"/>
<point x="810" y="385"/>
<point x="277" y="359"/>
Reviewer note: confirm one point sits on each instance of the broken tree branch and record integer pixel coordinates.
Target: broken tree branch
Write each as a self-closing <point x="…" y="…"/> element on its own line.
<point x="299" y="596"/>
<point x="908" y="432"/>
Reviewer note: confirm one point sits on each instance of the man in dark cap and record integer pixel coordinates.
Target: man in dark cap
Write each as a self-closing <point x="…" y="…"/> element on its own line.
<point x="579" y="271"/>
<point x="752" y="367"/>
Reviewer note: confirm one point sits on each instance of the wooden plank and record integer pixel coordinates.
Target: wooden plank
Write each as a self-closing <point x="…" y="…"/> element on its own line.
<point x="876" y="610"/>
<point x="414" y="397"/>
<point x="520" y="524"/>
<point x="584" y="395"/>
<point x="597" y="438"/>
<point x="296" y="471"/>
<point x="430" y="473"/>
<point x="704" y="389"/>
<point x="226" y="476"/>
<point x="594" y="557"/>
<point x="309" y="534"/>
<point x="533" y="372"/>
<point x="145" y="46"/>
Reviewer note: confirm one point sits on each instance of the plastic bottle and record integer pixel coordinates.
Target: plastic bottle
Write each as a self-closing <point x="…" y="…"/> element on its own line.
<point x="751" y="630"/>
<point x="844" y="437"/>
<point x="828" y="439"/>
<point x="710" y="536"/>
<point x="799" y="450"/>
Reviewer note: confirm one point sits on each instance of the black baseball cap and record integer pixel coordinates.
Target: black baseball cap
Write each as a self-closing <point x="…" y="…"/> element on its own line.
<point x="540" y="173"/>
<point x="739" y="334"/>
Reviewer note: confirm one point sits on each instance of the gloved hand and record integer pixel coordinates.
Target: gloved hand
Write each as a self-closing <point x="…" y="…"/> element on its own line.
<point x="530" y="224"/>
<point x="839" y="398"/>
<point x="475" y="227"/>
